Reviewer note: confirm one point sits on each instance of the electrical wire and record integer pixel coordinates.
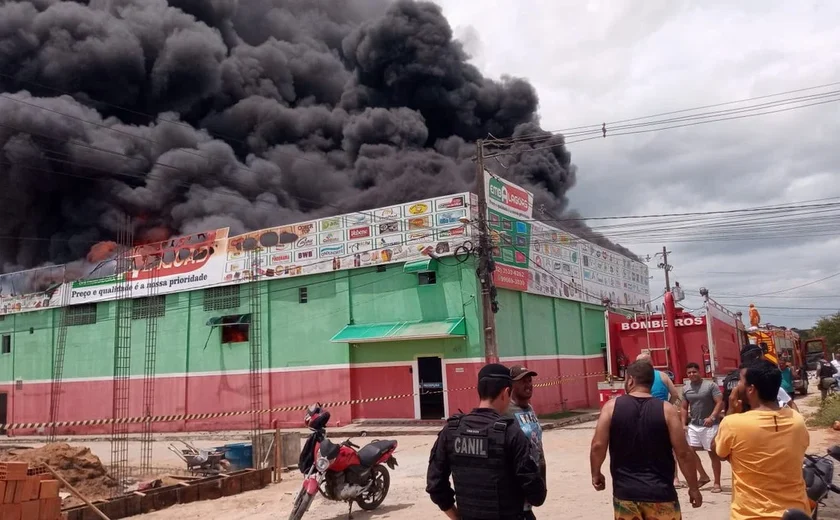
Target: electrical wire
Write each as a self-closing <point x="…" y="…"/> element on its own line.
<point x="597" y="127"/>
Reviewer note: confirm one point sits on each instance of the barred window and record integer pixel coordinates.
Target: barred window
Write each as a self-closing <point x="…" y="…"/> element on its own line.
<point x="81" y="314"/>
<point x="221" y="298"/>
<point x="149" y="307"/>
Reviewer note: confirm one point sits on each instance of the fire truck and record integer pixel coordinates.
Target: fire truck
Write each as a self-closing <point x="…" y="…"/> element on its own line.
<point x="711" y="338"/>
<point x="674" y="338"/>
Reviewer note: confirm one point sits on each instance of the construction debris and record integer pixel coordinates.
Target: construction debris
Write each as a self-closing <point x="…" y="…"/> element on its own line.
<point x="75" y="492"/>
<point x="27" y="494"/>
<point x="76" y="464"/>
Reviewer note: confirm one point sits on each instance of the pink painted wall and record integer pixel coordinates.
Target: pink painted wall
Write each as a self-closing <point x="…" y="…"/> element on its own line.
<point x="383" y="381"/>
<point x="230" y="393"/>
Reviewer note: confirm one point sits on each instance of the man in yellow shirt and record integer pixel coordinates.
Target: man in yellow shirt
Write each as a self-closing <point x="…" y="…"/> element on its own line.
<point x="765" y="447"/>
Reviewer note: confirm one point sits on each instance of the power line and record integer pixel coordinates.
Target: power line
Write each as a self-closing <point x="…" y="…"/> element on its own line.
<point x="598" y="126"/>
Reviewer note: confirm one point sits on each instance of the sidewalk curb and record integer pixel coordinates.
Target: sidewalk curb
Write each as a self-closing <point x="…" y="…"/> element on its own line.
<point x="570" y="421"/>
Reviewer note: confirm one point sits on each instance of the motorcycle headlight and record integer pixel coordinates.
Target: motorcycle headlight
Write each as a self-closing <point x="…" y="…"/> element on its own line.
<point x="322" y="464"/>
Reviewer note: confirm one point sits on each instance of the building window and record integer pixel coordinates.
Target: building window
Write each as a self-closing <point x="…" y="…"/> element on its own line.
<point x="221" y="298"/>
<point x="303" y="295"/>
<point x="84" y="314"/>
<point x="427" y="278"/>
<point x="235" y="328"/>
<point x="7" y="344"/>
<point x="149" y="307"/>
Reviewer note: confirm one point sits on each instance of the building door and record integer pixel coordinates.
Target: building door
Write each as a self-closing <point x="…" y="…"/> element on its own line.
<point x="430" y="375"/>
<point x="3" y="407"/>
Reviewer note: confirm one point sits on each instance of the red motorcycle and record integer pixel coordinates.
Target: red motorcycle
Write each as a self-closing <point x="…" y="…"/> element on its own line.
<point x="338" y="471"/>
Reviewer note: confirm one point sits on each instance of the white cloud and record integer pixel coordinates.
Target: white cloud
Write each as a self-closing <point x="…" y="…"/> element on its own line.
<point x="594" y="61"/>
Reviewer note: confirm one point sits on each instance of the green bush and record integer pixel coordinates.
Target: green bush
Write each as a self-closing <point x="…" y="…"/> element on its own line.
<point x="828" y="412"/>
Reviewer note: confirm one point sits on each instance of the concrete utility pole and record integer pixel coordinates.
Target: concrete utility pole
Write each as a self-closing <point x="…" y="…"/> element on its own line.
<point x="667" y="267"/>
<point x="485" y="262"/>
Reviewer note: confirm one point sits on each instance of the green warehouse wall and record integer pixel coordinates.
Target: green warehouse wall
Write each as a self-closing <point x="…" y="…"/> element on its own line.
<point x="297" y="334"/>
<point x="294" y="334"/>
<point x="534" y="325"/>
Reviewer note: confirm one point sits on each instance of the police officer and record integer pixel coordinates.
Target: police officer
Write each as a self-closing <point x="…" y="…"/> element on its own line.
<point x="488" y="457"/>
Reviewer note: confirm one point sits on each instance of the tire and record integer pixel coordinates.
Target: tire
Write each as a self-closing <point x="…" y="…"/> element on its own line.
<point x="382" y="483"/>
<point x="302" y="503"/>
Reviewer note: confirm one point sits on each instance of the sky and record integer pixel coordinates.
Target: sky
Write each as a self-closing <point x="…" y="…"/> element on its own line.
<point x="601" y="61"/>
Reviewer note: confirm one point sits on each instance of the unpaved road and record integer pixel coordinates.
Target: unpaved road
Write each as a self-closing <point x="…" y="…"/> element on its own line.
<point x="570" y="494"/>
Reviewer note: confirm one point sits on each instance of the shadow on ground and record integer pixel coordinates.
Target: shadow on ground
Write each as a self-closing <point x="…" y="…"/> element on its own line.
<point x="382" y="512"/>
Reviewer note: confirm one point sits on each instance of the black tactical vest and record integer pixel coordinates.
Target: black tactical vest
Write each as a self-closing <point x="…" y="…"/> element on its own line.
<point x="484" y="484"/>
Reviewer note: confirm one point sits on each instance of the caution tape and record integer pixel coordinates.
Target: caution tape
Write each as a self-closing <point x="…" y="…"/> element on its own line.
<point x="217" y="415"/>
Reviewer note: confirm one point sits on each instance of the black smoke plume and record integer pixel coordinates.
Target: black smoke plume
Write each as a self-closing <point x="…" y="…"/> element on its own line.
<point x="194" y="114"/>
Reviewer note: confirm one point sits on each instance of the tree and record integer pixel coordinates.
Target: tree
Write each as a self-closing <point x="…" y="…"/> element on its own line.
<point x="828" y="327"/>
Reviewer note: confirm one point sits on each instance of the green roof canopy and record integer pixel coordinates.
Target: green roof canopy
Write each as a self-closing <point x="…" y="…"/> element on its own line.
<point x="401" y="331"/>
<point x="420" y="266"/>
<point x="224" y="321"/>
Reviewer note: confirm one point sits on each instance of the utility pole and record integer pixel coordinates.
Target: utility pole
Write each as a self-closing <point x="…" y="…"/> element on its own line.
<point x="486" y="266"/>
<point x="666" y="267"/>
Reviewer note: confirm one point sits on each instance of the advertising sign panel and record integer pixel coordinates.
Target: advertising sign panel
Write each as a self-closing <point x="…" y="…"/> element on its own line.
<point x="535" y="257"/>
<point x="178" y="264"/>
<point x="507" y="198"/>
<point x="380" y="236"/>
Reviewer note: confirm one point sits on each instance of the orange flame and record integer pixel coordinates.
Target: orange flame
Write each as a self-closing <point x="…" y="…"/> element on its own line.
<point x="101" y="251"/>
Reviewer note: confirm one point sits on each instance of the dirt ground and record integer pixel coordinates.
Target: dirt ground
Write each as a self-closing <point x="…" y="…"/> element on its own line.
<point x="571" y="495"/>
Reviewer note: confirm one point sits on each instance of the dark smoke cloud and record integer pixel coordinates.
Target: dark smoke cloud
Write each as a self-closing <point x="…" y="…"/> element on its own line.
<point x="193" y="114"/>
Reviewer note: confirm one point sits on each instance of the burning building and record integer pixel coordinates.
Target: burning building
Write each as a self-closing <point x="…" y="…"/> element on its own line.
<point x="373" y="304"/>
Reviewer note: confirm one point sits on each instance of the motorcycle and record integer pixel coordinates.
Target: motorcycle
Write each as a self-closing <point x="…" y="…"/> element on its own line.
<point x="819" y="476"/>
<point x="342" y="472"/>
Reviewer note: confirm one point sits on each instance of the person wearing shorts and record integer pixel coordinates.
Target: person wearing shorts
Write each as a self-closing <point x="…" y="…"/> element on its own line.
<point x="702" y="403"/>
<point x="641" y="433"/>
<point x="627" y="510"/>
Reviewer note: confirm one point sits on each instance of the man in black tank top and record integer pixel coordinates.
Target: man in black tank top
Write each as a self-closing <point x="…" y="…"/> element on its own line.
<point x="640" y="432"/>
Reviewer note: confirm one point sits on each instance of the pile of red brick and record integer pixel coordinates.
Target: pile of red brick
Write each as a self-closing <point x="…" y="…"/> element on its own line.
<point x="28" y="493"/>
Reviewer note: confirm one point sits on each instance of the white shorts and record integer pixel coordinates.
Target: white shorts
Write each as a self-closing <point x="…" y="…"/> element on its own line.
<point x="701" y="436"/>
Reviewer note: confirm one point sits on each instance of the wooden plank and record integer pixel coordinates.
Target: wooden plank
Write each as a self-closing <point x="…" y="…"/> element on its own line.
<point x="231" y="486"/>
<point x="187" y="495"/>
<point x="134" y="506"/>
<point x="165" y="499"/>
<point x="210" y="490"/>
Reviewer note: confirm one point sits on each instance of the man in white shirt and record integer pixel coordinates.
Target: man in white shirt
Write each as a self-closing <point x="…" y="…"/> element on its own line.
<point x="835" y="362"/>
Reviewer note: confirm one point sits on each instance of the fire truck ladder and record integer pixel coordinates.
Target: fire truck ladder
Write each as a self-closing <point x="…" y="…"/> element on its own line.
<point x="58" y="361"/>
<point x="122" y="361"/>
<point x="152" y="307"/>
<point x="255" y="365"/>
<point x="649" y="331"/>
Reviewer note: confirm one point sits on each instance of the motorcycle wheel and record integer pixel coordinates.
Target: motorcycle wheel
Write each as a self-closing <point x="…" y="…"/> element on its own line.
<point x="302" y="502"/>
<point x="373" y="498"/>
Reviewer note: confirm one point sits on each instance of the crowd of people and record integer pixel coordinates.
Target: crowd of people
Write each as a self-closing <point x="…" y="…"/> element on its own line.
<point x="494" y="455"/>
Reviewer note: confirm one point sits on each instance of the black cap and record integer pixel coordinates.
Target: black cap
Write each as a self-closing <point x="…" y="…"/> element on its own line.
<point x="517" y="372"/>
<point x="494" y="371"/>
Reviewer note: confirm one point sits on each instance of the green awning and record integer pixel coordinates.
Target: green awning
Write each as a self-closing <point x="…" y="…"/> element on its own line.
<point x="401" y="331"/>
<point x="225" y="321"/>
<point x="420" y="266"/>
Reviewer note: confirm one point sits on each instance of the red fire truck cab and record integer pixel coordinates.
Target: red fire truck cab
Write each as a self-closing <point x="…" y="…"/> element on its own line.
<point x="674" y="338"/>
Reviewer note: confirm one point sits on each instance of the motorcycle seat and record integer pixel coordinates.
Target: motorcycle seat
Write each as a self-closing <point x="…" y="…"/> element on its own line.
<point x="370" y="454"/>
